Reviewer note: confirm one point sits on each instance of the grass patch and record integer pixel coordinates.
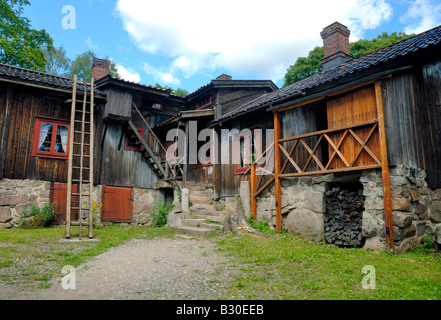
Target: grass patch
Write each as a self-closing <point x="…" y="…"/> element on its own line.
<point x="287" y="267"/>
<point x="36" y="256"/>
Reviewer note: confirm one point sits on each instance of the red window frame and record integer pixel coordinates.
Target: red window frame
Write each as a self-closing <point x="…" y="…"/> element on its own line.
<point x="128" y="144"/>
<point x="53" y="140"/>
<point x="252" y="139"/>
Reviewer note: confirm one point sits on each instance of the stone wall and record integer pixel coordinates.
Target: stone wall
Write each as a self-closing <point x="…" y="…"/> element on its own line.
<point x="416" y="208"/>
<point x="17" y="196"/>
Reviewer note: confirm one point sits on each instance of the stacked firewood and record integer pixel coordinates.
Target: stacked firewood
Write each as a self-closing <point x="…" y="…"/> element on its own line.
<point x="343" y="217"/>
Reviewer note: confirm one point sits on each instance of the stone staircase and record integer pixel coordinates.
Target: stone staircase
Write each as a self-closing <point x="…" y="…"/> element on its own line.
<point x="204" y="218"/>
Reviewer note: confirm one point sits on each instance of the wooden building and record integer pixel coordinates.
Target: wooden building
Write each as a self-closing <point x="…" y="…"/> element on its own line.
<point x="377" y="114"/>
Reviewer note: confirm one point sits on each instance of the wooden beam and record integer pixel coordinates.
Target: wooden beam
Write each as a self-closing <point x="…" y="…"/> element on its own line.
<point x="70" y="164"/>
<point x="388" y="219"/>
<point x="277" y="172"/>
<point x="253" y="191"/>
<point x="91" y="152"/>
<point x="4" y="134"/>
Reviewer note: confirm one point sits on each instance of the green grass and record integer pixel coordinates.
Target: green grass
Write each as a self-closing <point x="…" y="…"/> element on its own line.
<point x="261" y="267"/>
<point x="36" y="256"/>
<point x="286" y="267"/>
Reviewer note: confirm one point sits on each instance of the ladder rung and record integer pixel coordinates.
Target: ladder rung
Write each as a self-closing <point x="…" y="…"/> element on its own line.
<point x="81" y="132"/>
<point x="81" y="121"/>
<point x="84" y="144"/>
<point x="77" y="223"/>
<point x="84" y="181"/>
<point x="82" y="111"/>
<point x="79" y="155"/>
<point x="83" y="194"/>
<point x="76" y="208"/>
<point x="80" y="168"/>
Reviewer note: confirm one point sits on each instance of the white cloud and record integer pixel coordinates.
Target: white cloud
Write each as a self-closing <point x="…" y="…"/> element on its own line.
<point x="162" y="77"/>
<point x="90" y="44"/>
<point x="244" y="37"/>
<point x="421" y="16"/>
<point x="128" y="74"/>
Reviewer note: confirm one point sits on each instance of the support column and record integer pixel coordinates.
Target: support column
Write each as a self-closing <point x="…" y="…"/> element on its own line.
<point x="388" y="220"/>
<point x="252" y="192"/>
<point x="277" y="172"/>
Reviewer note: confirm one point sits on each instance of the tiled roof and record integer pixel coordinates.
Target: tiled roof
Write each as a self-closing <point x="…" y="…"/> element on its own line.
<point x="381" y="57"/>
<point x="39" y="78"/>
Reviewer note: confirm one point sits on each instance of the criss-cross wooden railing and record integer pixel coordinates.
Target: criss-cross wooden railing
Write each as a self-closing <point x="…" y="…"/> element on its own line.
<point x="350" y="161"/>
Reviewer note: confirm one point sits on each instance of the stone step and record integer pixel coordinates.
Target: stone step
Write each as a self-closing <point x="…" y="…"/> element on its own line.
<point x="204" y="192"/>
<point x="194" y="222"/>
<point x="195" y="216"/>
<point x="216" y="218"/>
<point x="183" y="236"/>
<point x="202" y="201"/>
<point x="196" y="230"/>
<point x="202" y="206"/>
<point x="211" y="226"/>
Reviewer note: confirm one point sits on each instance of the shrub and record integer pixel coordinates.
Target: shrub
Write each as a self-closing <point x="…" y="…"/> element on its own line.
<point x="262" y="226"/>
<point x="38" y="217"/>
<point x="159" y="215"/>
<point x="427" y="245"/>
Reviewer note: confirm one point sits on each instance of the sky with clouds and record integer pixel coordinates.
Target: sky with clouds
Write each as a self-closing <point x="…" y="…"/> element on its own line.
<point x="186" y="44"/>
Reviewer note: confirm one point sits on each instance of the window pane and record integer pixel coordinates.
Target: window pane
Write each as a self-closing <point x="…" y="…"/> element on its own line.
<point x="44" y="143"/>
<point x="61" y="139"/>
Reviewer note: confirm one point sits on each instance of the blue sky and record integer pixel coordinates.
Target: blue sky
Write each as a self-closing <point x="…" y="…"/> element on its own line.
<point x="186" y="44"/>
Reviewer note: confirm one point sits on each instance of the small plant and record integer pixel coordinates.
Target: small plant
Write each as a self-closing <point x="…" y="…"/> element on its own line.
<point x="38" y="217"/>
<point x="427" y="245"/>
<point x="262" y="226"/>
<point x="159" y="215"/>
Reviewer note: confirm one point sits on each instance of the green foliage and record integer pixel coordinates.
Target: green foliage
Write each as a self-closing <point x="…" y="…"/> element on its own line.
<point x="179" y="92"/>
<point x="262" y="226"/>
<point x="38" y="217"/>
<point x="20" y="45"/>
<point x="57" y="62"/>
<point x="307" y="66"/>
<point x="427" y="245"/>
<point x="82" y="66"/>
<point x="159" y="215"/>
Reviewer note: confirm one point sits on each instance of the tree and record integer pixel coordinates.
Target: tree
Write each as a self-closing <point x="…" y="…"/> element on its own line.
<point x="179" y="92"/>
<point x="20" y="45"/>
<point x="57" y="63"/>
<point x="307" y="66"/>
<point x="82" y="67"/>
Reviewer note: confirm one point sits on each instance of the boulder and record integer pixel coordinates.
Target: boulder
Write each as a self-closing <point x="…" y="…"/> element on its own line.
<point x="401" y="220"/>
<point x="306" y="223"/>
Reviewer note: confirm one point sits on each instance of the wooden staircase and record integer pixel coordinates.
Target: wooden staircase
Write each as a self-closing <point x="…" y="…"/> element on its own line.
<point x="204" y="218"/>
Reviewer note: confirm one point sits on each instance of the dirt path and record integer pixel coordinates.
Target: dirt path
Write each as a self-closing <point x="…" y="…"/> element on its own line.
<point x="143" y="269"/>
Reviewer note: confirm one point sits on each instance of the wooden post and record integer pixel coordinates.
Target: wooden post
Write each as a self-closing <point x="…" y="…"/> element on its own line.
<point x="388" y="219"/>
<point x="252" y="192"/>
<point x="91" y="153"/>
<point x="69" y="171"/>
<point x="277" y="172"/>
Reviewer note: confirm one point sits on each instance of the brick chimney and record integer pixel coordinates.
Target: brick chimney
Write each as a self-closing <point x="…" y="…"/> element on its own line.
<point x="336" y="44"/>
<point x="100" y="68"/>
<point x="224" y="77"/>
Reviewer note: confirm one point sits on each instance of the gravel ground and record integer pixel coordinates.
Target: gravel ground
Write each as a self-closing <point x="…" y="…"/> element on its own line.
<point x="158" y="269"/>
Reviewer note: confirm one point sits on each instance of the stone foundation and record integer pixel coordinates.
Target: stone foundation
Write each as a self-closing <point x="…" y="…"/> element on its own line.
<point x="17" y="196"/>
<point x="416" y="208"/>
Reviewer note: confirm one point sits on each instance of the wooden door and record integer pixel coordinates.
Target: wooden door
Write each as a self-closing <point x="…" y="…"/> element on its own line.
<point x="117" y="204"/>
<point x="59" y="195"/>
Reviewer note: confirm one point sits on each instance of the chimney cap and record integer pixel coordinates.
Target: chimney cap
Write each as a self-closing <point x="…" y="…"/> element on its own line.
<point x="224" y="77"/>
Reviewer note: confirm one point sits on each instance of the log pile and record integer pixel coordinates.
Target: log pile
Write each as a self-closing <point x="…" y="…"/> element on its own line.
<point x="343" y="217"/>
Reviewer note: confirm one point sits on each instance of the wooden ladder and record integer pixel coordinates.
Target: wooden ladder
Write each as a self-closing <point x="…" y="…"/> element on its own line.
<point x="80" y="170"/>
